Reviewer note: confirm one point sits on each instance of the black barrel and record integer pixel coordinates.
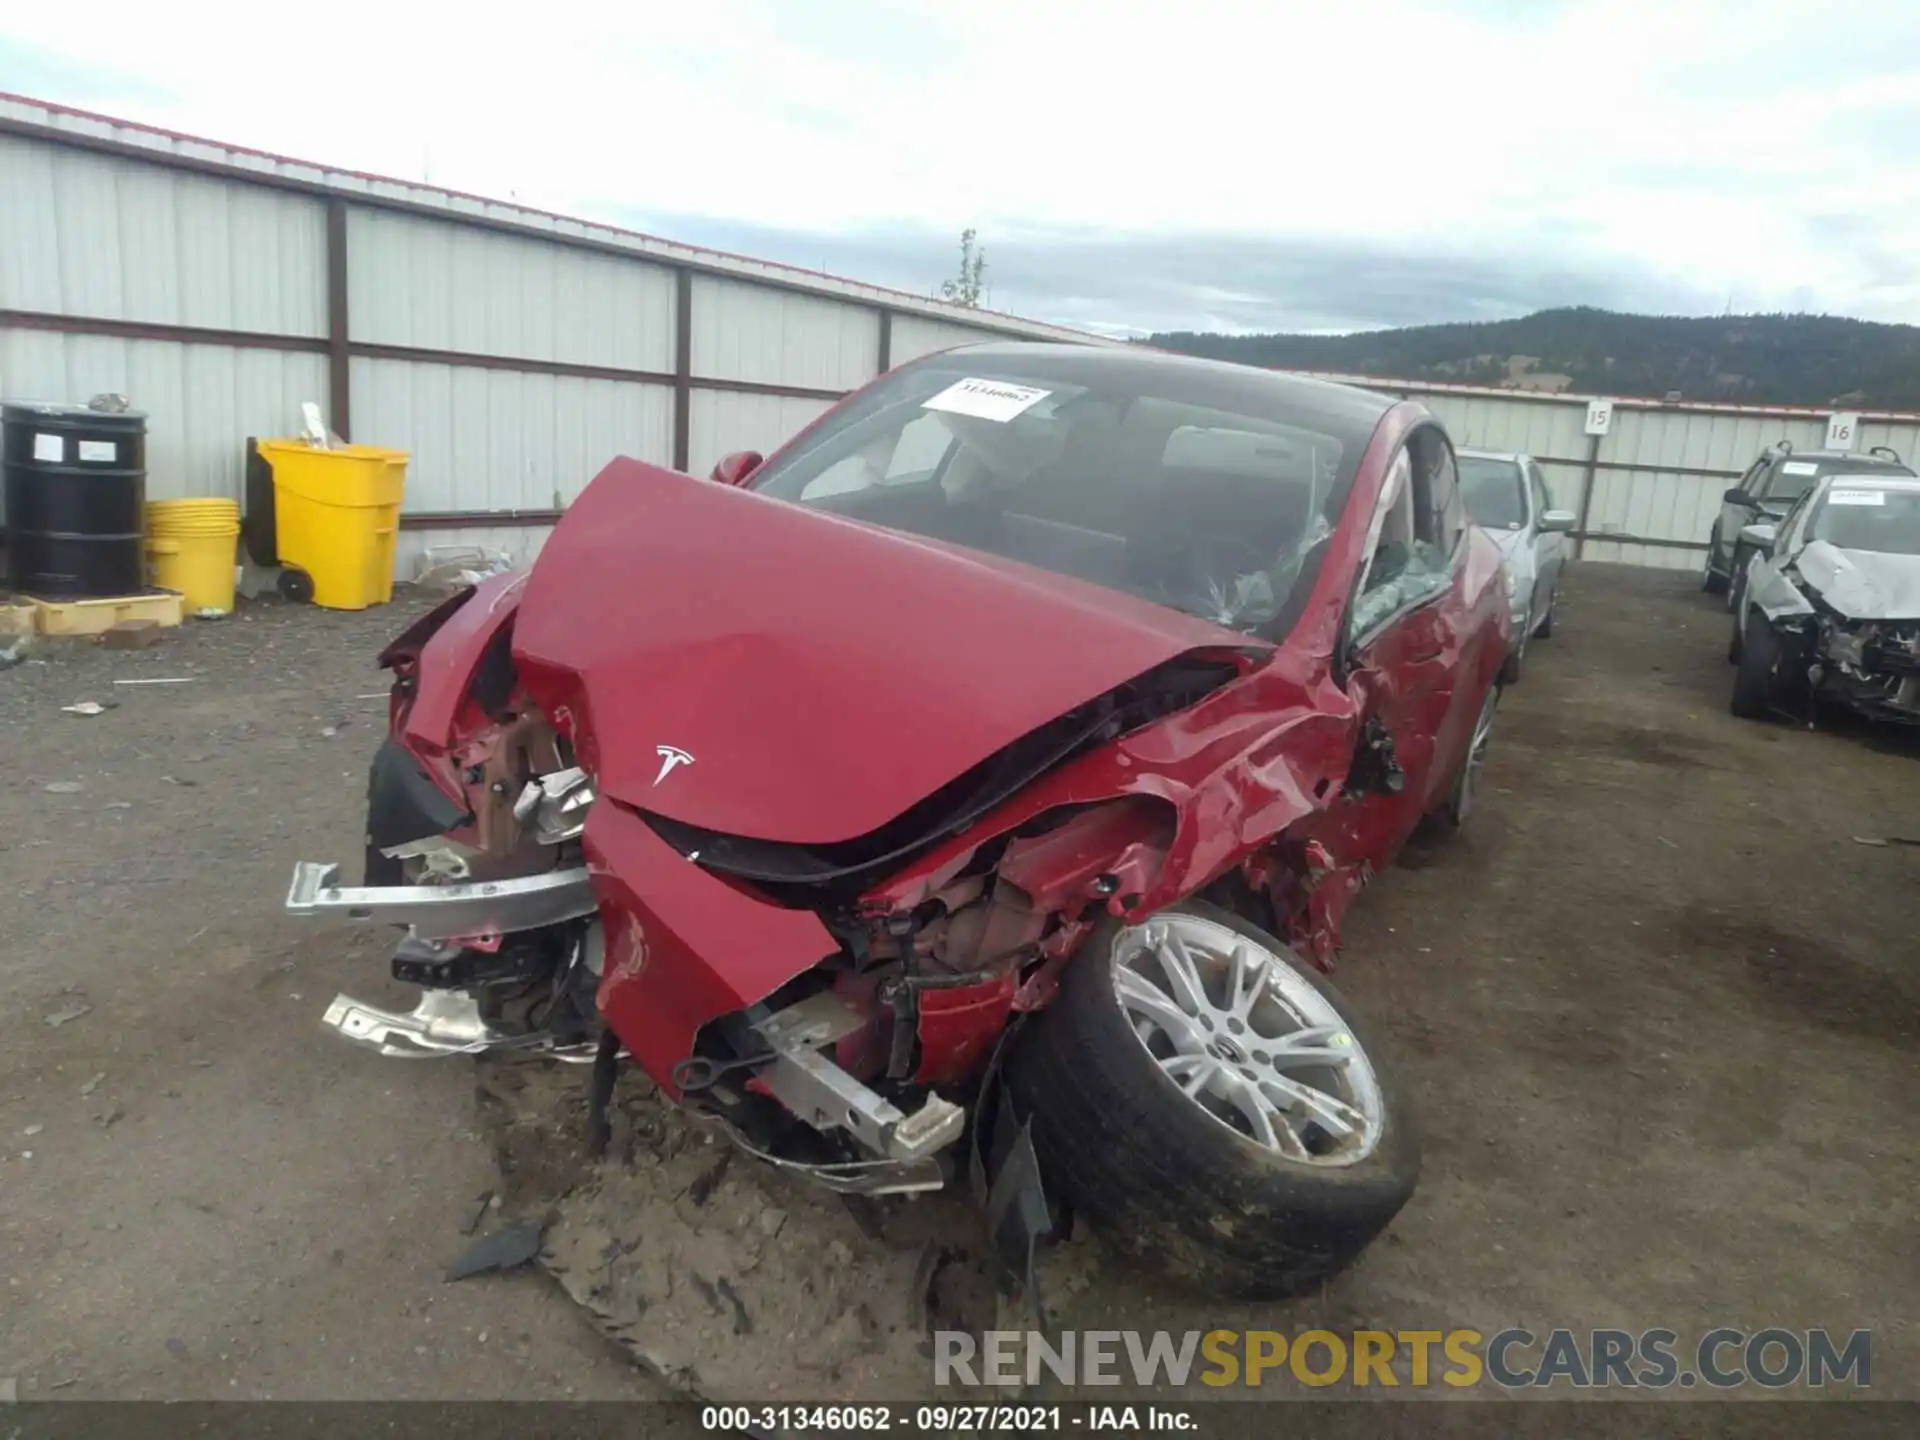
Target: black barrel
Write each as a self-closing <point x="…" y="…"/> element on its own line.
<point x="76" y="497"/>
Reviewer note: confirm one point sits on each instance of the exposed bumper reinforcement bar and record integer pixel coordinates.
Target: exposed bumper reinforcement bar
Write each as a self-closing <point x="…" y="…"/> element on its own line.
<point x="439" y="912"/>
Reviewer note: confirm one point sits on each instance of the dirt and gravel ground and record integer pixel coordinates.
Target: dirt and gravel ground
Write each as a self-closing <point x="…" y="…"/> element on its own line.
<point x="1658" y="1011"/>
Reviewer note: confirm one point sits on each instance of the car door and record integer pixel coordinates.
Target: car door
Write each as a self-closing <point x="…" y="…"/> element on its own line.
<point x="1404" y="638"/>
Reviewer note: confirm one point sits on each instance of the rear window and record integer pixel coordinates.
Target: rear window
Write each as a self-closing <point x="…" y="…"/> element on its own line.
<point x="1793" y="478"/>
<point x="1495" y="491"/>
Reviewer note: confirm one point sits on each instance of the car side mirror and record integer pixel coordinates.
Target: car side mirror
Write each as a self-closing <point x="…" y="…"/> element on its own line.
<point x="1759" y="536"/>
<point x="1560" y="521"/>
<point x="1737" y="496"/>
<point x="738" y="468"/>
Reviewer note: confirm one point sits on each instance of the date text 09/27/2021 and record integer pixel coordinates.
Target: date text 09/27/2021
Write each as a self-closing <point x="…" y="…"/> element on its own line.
<point x="945" y="1419"/>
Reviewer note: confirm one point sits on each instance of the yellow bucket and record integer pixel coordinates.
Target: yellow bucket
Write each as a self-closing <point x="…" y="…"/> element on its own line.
<point x="336" y="514"/>
<point x="190" y="548"/>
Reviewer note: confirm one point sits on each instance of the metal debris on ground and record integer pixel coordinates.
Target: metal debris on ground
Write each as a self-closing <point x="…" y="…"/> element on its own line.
<point x="63" y="787"/>
<point x="1885" y="840"/>
<point x="72" y="1011"/>
<point x="158" y="680"/>
<point x="502" y="1250"/>
<point x="93" y="1084"/>
<point x="476" y="1213"/>
<point x="85" y="707"/>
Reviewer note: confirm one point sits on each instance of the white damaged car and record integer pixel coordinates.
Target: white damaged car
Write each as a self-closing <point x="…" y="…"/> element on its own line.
<point x="1828" y="606"/>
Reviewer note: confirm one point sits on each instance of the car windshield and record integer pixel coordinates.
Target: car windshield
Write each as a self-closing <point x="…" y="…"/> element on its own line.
<point x="1494" y="490"/>
<point x="1204" y="488"/>
<point x="1864" y="517"/>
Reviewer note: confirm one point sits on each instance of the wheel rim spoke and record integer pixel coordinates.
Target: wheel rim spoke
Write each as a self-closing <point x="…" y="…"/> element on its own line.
<point x="1315" y="1045"/>
<point x="1183" y="977"/>
<point x="1145" y="999"/>
<point x="1334" y="1114"/>
<point x="1197" y="1070"/>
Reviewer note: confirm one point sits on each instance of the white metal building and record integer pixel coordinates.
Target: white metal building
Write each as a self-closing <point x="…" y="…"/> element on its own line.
<point x="511" y="352"/>
<point x="1647" y="492"/>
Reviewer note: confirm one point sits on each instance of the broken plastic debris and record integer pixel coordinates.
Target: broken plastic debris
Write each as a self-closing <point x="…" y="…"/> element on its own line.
<point x="93" y="1084"/>
<point x="63" y="787"/>
<point x="502" y="1250"/>
<point x="71" y="1012"/>
<point x="84" y="707"/>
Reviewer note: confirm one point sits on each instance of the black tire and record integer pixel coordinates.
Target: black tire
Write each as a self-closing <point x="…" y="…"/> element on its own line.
<point x="1515" y="664"/>
<point x="1735" y="643"/>
<point x="1740" y="558"/>
<point x="295" y="587"/>
<point x="1755" y="685"/>
<point x="1173" y="1188"/>
<point x="1713" y="582"/>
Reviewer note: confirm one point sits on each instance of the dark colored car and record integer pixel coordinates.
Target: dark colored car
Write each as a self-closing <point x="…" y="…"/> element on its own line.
<point x="1772" y="483"/>
<point x="1033" y="717"/>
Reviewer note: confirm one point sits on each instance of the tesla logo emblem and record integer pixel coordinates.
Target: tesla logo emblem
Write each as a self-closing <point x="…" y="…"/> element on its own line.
<point x="670" y="756"/>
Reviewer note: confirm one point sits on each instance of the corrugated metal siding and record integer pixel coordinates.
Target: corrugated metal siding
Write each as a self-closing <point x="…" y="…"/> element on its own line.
<point x="202" y="401"/>
<point x="747" y="332"/>
<point x="435" y="285"/>
<point x="113" y="239"/>
<point x="914" y="337"/>
<point x="500" y="440"/>
<point x="722" y="422"/>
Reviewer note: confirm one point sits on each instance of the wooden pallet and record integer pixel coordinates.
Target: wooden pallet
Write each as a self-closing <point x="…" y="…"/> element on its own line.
<point x="92" y="617"/>
<point x="18" y="617"/>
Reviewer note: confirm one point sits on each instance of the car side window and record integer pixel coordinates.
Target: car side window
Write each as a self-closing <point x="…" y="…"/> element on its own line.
<point x="1406" y="562"/>
<point x="1762" y="483"/>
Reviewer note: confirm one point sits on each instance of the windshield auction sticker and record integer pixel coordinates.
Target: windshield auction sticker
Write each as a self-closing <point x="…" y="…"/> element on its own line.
<point x="986" y="399"/>
<point x="1857" y="497"/>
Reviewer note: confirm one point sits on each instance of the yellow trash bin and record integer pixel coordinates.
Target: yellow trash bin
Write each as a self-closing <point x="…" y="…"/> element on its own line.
<point x="336" y="513"/>
<point x="190" y="548"/>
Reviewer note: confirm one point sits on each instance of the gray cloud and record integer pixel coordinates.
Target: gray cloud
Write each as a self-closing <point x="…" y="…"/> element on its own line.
<point x="1221" y="282"/>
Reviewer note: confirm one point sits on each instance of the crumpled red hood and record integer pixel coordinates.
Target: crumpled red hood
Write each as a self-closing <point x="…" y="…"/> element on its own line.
<point x="820" y="675"/>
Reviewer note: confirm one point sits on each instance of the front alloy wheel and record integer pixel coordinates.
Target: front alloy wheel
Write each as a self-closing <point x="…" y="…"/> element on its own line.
<point x="1208" y="1103"/>
<point x="1247" y="1039"/>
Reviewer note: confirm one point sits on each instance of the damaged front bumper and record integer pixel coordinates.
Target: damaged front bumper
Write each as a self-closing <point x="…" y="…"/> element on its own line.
<point x="444" y="912"/>
<point x="444" y="1022"/>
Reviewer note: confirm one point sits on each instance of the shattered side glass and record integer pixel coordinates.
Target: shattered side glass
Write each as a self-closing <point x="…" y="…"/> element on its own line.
<point x="1143" y="484"/>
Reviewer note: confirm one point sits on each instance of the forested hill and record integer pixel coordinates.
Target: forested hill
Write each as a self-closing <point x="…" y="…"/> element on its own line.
<point x="1753" y="359"/>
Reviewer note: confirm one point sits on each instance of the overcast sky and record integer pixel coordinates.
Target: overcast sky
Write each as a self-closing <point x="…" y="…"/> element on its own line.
<point x="1205" y="164"/>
